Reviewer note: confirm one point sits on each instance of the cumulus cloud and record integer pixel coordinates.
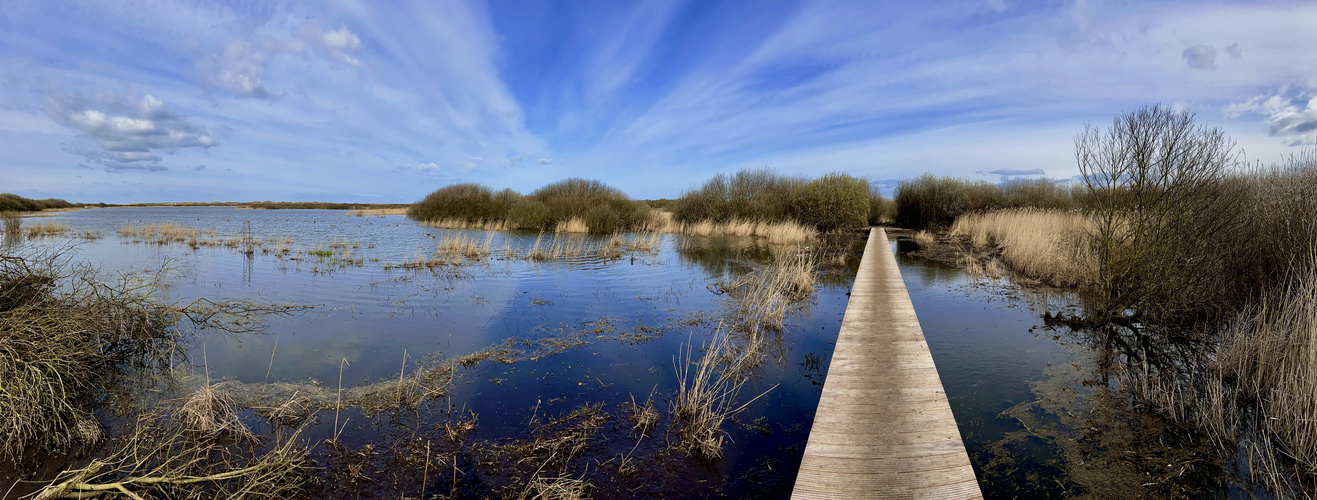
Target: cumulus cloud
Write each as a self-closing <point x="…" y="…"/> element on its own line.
<point x="1290" y="115"/>
<point x="126" y="131"/>
<point x="1200" y="57"/>
<point x="544" y="161"/>
<point x="1234" y="51"/>
<point x="334" y="45"/>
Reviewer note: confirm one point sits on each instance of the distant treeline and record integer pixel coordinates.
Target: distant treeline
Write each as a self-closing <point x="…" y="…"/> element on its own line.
<point x="835" y="201"/>
<point x="14" y="203"/>
<point x="271" y="205"/>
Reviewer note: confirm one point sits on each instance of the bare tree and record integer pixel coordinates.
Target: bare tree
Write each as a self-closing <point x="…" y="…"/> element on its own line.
<point x="1158" y="185"/>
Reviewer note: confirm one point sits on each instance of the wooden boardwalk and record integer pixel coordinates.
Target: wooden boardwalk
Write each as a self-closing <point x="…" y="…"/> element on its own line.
<point x="884" y="428"/>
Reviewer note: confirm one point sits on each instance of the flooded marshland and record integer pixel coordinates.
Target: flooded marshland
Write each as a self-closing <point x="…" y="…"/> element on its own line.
<point x="530" y="358"/>
<point x="519" y="364"/>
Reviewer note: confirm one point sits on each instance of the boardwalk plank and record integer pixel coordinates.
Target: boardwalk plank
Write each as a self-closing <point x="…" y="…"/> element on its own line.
<point x="883" y="428"/>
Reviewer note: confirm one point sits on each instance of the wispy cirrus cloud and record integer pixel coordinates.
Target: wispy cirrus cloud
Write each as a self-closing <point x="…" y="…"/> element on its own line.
<point x="309" y="98"/>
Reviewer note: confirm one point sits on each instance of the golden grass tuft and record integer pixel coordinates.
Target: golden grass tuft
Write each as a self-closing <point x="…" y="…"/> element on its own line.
<point x="210" y="413"/>
<point x="1048" y="245"/>
<point x="572" y="225"/>
<point x="46" y="228"/>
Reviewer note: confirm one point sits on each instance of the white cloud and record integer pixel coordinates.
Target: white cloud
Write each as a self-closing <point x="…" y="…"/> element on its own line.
<point x="544" y="161"/>
<point x="1200" y="57"/>
<point x="1290" y="115"/>
<point x="998" y="6"/>
<point x="126" y="130"/>
<point x="335" y="45"/>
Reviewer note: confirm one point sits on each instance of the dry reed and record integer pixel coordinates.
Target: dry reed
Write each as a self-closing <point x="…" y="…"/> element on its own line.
<point x="1272" y="357"/>
<point x="1050" y="246"/>
<point x="46" y="228"/>
<point x="706" y="394"/>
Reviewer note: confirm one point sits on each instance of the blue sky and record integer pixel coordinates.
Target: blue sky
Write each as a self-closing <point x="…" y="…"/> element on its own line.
<point x="383" y="101"/>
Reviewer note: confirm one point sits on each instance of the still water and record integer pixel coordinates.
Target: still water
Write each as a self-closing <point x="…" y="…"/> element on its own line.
<point x="1014" y="384"/>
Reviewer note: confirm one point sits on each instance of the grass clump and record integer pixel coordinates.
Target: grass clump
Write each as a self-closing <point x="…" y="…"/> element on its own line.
<point x="13" y="223"/>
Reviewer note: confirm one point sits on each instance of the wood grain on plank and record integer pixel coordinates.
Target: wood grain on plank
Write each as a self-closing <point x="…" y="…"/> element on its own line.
<point x="883" y="428"/>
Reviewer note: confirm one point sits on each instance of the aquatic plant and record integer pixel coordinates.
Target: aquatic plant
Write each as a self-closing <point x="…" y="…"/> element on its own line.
<point x="13" y="223"/>
<point x="46" y="228"/>
<point x="707" y="392"/>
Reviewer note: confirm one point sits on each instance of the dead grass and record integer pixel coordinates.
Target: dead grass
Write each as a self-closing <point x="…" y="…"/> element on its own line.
<point x="163" y="458"/>
<point x="572" y="225"/>
<point x="378" y="212"/>
<point x="484" y="225"/>
<point x="784" y="232"/>
<point x="556" y="488"/>
<point x="1272" y="357"/>
<point x="762" y="299"/>
<point x="643" y="418"/>
<point x="210" y="414"/>
<point x="707" y="389"/>
<point x="1047" y="245"/>
<point x="46" y="229"/>
<point x="422" y="383"/>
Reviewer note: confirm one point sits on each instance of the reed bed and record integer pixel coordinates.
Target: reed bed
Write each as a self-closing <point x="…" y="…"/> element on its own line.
<point x="1048" y="245"/>
<point x="378" y="212"/>
<point x="783" y="232"/>
<point x="455" y="223"/>
<point x="1272" y="358"/>
<point x="46" y="229"/>
<point x="572" y="225"/>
